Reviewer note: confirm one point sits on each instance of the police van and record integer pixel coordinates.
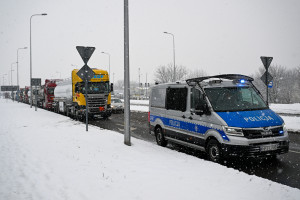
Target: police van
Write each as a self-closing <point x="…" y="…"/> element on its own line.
<point x="223" y="115"/>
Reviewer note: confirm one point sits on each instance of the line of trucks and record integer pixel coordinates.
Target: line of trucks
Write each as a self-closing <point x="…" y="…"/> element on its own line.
<point x="68" y="96"/>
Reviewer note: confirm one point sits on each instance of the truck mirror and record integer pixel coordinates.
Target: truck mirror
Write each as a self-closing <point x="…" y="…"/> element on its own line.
<point x="111" y="87"/>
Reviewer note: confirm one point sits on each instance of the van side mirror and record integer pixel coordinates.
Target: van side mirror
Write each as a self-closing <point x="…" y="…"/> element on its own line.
<point x="111" y="87"/>
<point x="202" y="108"/>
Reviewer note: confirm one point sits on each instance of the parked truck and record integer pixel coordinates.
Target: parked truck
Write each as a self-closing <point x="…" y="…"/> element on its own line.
<point x="46" y="93"/>
<point x="70" y="96"/>
<point x="27" y="94"/>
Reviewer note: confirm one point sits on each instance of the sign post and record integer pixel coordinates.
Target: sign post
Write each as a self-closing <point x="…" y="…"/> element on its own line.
<point x="86" y="73"/>
<point x="267" y="61"/>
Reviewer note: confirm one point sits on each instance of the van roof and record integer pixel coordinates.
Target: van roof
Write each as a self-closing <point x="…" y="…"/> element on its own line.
<point x="226" y="80"/>
<point x="222" y="76"/>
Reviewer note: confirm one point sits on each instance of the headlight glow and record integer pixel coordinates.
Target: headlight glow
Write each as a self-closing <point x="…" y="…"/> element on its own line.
<point x="233" y="131"/>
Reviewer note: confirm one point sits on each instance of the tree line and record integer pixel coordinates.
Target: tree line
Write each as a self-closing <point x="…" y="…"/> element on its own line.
<point x="286" y="82"/>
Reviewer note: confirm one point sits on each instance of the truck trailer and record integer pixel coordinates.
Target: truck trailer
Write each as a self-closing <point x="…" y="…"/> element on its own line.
<point x="70" y="99"/>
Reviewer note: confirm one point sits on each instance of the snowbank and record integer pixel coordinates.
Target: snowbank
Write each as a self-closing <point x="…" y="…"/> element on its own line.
<point x="286" y="108"/>
<point x="48" y="156"/>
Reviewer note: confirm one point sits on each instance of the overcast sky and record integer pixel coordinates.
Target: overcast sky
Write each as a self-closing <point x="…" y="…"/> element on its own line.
<point x="227" y="36"/>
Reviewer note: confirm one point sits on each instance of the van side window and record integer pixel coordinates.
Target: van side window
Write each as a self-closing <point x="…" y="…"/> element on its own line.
<point x="196" y="97"/>
<point x="176" y="99"/>
<point x="158" y="98"/>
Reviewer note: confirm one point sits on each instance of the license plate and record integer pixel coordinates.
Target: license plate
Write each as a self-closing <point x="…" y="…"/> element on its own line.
<point x="269" y="147"/>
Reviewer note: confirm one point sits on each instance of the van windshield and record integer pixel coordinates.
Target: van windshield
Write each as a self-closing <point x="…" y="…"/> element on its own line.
<point x="235" y="99"/>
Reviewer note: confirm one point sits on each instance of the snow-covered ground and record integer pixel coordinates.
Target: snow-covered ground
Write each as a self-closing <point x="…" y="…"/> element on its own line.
<point x="286" y="108"/>
<point x="49" y="156"/>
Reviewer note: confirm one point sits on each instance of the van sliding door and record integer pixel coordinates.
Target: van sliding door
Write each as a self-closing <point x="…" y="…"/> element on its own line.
<point x="176" y="108"/>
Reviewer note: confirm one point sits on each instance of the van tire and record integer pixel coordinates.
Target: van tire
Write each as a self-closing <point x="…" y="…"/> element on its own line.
<point x="160" y="139"/>
<point x="214" y="151"/>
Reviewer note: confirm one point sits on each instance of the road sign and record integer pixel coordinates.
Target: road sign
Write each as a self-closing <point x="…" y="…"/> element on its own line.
<point x="85" y="52"/>
<point x="35" y="81"/>
<point x="270" y="85"/>
<point x="266" y="61"/>
<point x="6" y="88"/>
<point x="263" y="78"/>
<point x="86" y="73"/>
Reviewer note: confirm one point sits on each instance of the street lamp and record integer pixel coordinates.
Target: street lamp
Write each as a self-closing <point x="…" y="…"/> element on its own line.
<point x="11" y="70"/>
<point x="173" y="52"/>
<point x="108" y="61"/>
<point x="3" y="78"/>
<point x="18" y="69"/>
<point x="18" y="64"/>
<point x="43" y="14"/>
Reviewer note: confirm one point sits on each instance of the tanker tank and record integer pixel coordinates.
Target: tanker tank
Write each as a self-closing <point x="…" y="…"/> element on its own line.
<point x="63" y="90"/>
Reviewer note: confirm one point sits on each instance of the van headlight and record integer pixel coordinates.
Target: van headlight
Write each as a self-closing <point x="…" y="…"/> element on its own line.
<point x="233" y="131"/>
<point x="284" y="129"/>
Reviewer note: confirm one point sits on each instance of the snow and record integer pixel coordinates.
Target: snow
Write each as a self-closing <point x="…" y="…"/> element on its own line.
<point x="286" y="108"/>
<point x="49" y="156"/>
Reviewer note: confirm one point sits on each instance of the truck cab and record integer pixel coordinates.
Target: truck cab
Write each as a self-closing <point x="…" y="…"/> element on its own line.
<point x="223" y="115"/>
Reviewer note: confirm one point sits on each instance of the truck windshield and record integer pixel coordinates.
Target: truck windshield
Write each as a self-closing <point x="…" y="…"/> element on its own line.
<point x="93" y="87"/>
<point x="235" y="99"/>
<point x="50" y="90"/>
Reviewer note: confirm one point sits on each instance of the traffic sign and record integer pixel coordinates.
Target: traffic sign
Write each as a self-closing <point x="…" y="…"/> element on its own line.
<point x="270" y="85"/>
<point x="86" y="73"/>
<point x="85" y="52"/>
<point x="6" y="88"/>
<point x="263" y="78"/>
<point x="266" y="61"/>
<point x="35" y="81"/>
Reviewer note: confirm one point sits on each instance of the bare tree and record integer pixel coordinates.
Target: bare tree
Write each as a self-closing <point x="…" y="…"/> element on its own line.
<point x="285" y="86"/>
<point x="119" y="85"/>
<point x="196" y="73"/>
<point x="164" y="74"/>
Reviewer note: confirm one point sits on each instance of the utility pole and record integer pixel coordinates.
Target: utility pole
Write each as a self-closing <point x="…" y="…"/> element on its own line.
<point x="139" y="83"/>
<point x="126" y="77"/>
<point x="146" y="87"/>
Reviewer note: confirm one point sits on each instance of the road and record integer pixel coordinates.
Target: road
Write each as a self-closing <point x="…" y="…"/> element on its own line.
<point x="285" y="169"/>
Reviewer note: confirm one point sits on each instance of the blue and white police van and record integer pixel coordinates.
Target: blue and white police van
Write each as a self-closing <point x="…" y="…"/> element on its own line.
<point x="223" y="115"/>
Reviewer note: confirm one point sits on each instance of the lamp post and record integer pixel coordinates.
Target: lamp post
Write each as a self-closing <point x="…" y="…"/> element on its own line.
<point x="18" y="64"/>
<point x="11" y="70"/>
<point x="173" y="53"/>
<point x="18" y="71"/>
<point x="43" y="14"/>
<point x="3" y="78"/>
<point x="108" y="61"/>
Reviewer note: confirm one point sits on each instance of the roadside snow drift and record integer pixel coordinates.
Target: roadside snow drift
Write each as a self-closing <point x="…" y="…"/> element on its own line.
<point x="51" y="157"/>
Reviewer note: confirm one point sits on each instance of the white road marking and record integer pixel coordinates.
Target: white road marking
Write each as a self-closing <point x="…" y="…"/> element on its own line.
<point x="294" y="151"/>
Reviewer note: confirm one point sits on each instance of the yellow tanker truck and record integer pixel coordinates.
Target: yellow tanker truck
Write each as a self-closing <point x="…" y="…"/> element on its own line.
<point x="70" y="99"/>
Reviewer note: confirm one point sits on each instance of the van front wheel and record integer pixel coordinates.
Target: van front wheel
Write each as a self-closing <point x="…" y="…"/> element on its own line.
<point x="214" y="151"/>
<point x="160" y="139"/>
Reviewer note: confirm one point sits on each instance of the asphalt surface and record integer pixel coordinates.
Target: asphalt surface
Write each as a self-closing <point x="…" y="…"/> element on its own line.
<point x="285" y="169"/>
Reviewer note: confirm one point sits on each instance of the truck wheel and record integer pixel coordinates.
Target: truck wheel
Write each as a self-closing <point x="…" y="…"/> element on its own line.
<point x="214" y="151"/>
<point x="160" y="139"/>
<point x="67" y="111"/>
